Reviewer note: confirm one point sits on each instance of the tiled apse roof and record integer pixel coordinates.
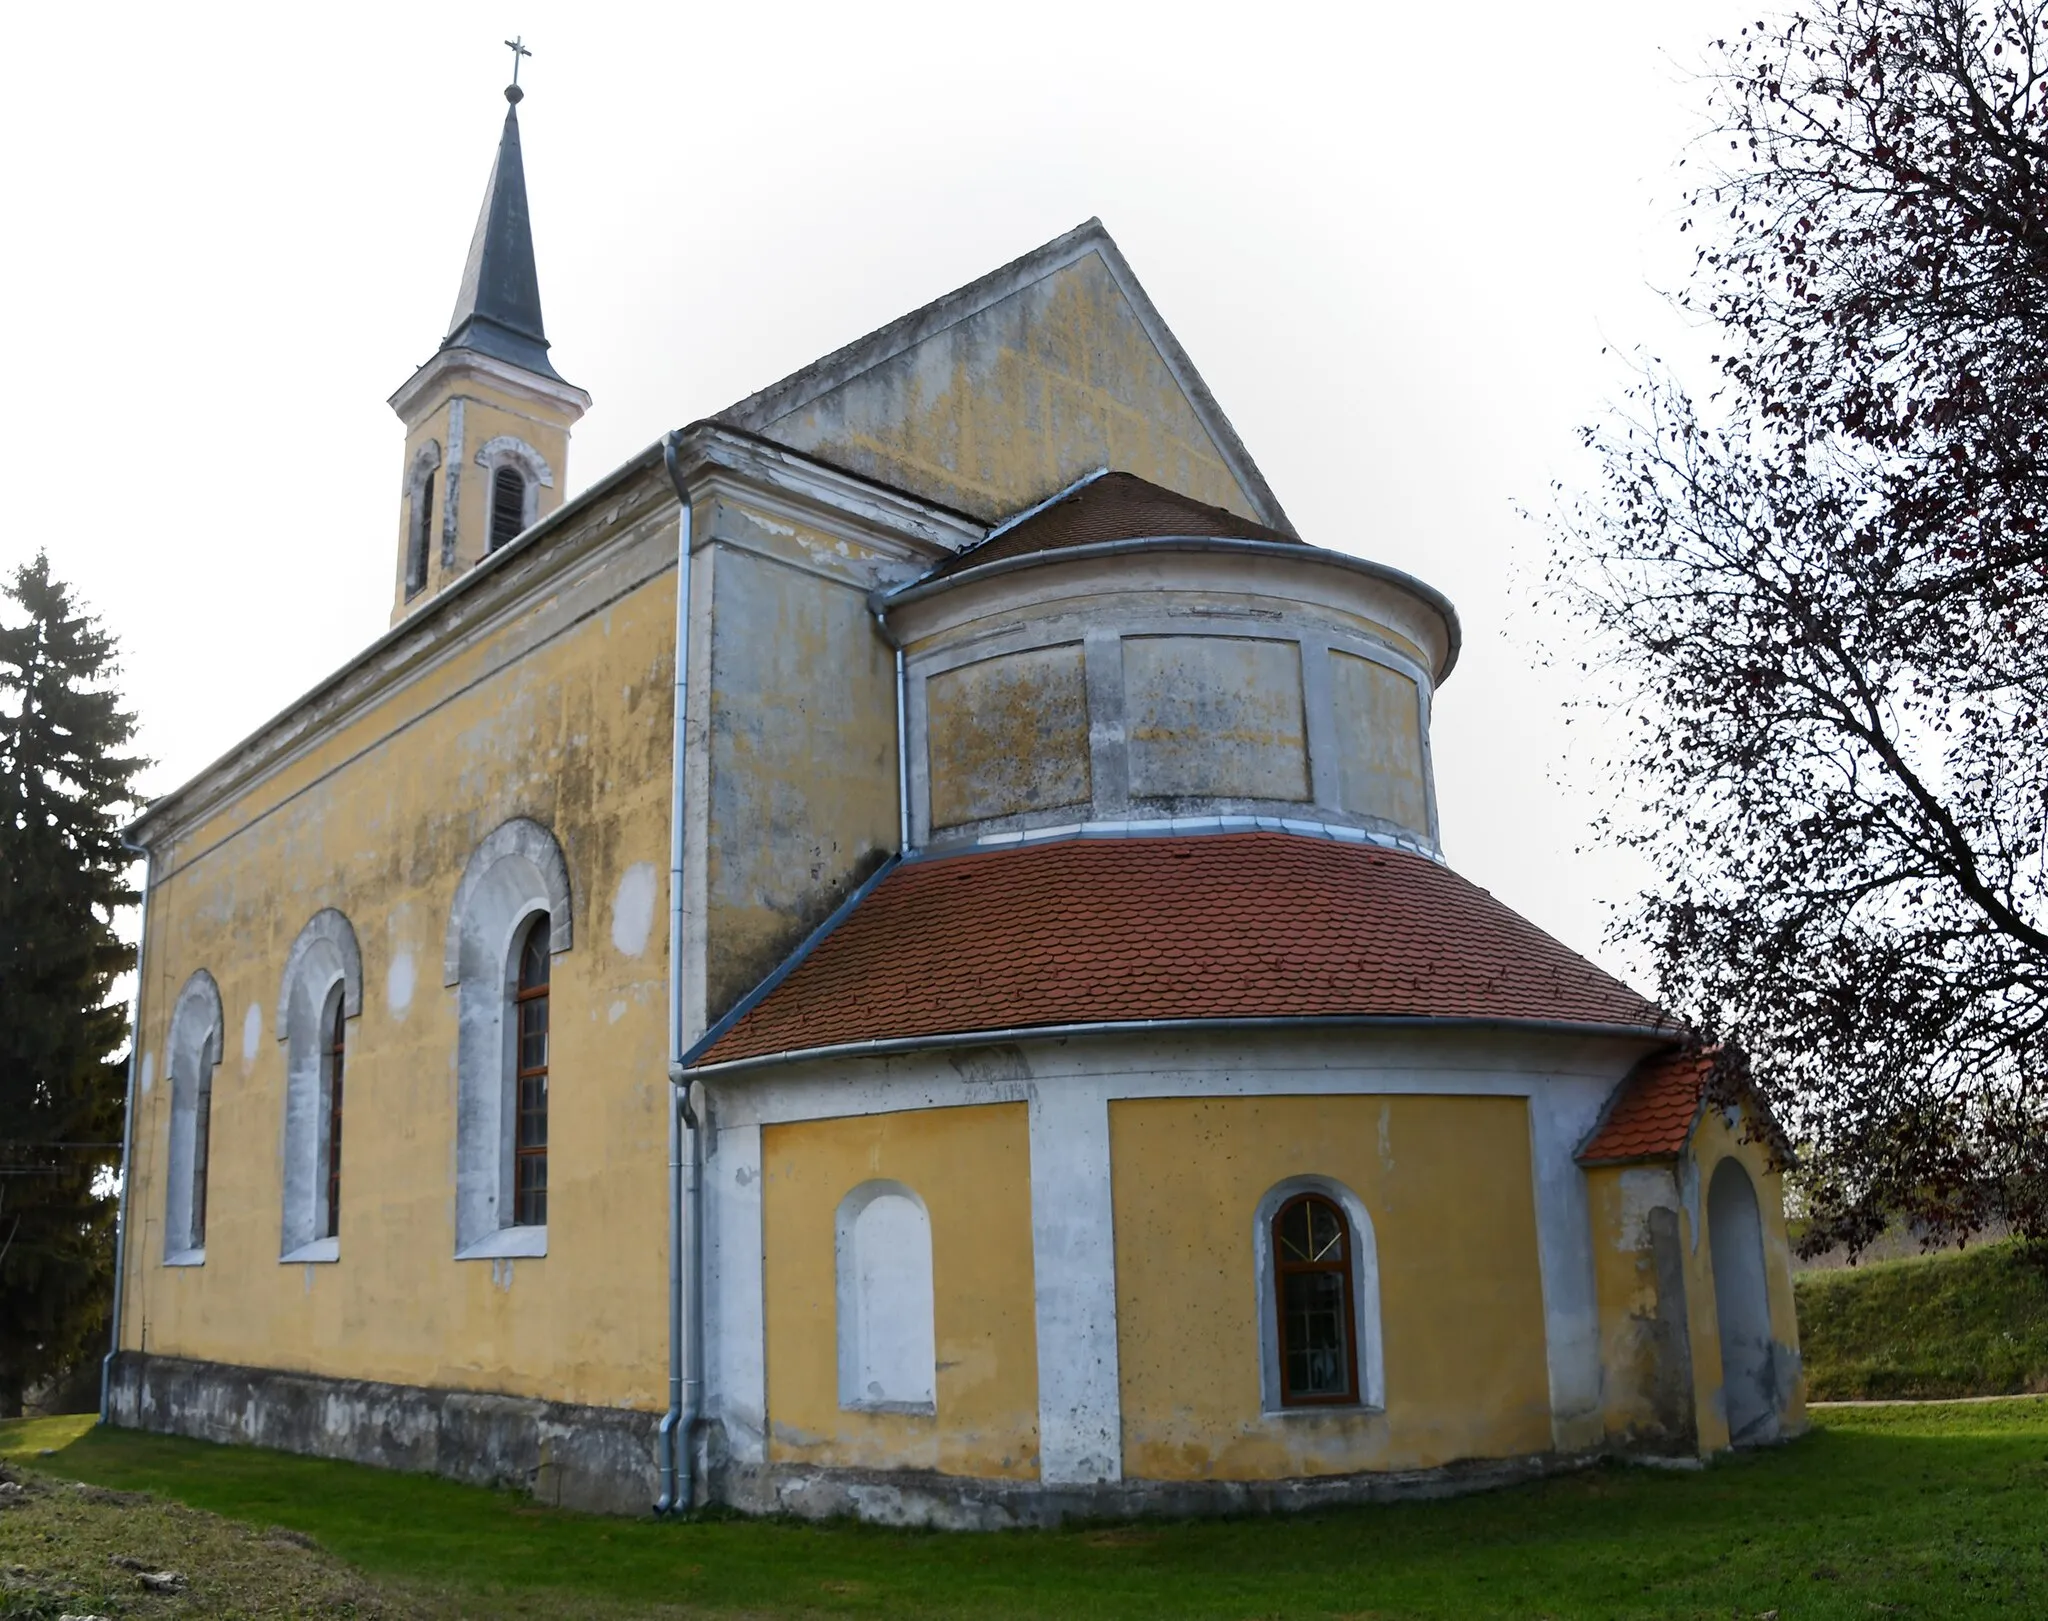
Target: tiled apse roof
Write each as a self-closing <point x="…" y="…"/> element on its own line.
<point x="1116" y="506"/>
<point x="1654" y="1113"/>
<point x="1213" y="926"/>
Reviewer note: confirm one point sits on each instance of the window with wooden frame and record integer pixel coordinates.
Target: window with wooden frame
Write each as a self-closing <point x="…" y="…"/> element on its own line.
<point x="334" y="1052"/>
<point x="530" y="1079"/>
<point x="1313" y="1302"/>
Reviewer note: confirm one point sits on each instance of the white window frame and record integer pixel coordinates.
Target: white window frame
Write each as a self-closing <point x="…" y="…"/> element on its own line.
<point x="323" y="957"/>
<point x="855" y="1305"/>
<point x="419" y="541"/>
<point x="1365" y="1300"/>
<point x="192" y="1056"/>
<point x="516" y="871"/>
<point x="508" y="451"/>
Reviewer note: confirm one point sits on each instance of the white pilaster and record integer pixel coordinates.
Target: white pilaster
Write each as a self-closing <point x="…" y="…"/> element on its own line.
<point x="1073" y="1253"/>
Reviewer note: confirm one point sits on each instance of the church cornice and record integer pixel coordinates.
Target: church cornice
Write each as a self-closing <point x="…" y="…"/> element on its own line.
<point x="449" y="367"/>
<point x="560" y="551"/>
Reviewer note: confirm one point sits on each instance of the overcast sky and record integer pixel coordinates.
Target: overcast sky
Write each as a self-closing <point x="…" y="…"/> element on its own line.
<point x="1394" y="241"/>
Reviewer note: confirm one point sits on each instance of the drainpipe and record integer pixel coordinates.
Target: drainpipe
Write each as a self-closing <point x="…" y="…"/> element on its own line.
<point x="902" y="742"/>
<point x="685" y="1203"/>
<point x="127" y="1142"/>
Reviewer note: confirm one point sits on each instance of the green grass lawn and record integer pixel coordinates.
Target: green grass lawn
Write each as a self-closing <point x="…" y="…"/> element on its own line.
<point x="1929" y="1511"/>
<point x="1964" y="1323"/>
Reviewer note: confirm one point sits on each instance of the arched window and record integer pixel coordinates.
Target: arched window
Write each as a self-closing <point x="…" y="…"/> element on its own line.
<point x="510" y="918"/>
<point x="508" y="505"/>
<point x="1319" y="1298"/>
<point x="887" y="1357"/>
<point x="193" y="1056"/>
<point x="337" y="1049"/>
<point x="202" y="1138"/>
<point x="419" y="521"/>
<point x="530" y="1079"/>
<point x="322" y="989"/>
<point x="422" y="534"/>
<point x="1312" y="1288"/>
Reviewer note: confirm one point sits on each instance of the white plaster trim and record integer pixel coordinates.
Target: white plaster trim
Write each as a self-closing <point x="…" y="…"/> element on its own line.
<point x="495" y="453"/>
<point x="903" y="1295"/>
<point x="1073" y="1263"/>
<point x="518" y="1243"/>
<point x="523" y="839"/>
<point x="451" y="366"/>
<point x="516" y="872"/>
<point x="1365" y="1300"/>
<point x="324" y="957"/>
<point x="186" y="1258"/>
<point x="332" y="927"/>
<point x="735" y="1358"/>
<point x="319" y="1251"/>
<point x="191" y="1057"/>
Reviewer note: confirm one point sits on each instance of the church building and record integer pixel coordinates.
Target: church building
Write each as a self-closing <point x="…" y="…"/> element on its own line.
<point x="892" y="956"/>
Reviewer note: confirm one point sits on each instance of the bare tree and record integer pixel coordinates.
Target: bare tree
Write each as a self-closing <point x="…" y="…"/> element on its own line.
<point x="1824" y="591"/>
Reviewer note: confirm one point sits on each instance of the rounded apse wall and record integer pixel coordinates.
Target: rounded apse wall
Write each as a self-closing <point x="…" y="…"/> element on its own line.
<point x="1172" y="679"/>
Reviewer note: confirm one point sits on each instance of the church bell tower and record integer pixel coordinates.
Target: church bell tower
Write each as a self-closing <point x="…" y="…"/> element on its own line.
<point x="487" y="419"/>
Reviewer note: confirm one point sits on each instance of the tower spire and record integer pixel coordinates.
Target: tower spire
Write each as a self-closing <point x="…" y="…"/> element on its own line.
<point x="497" y="311"/>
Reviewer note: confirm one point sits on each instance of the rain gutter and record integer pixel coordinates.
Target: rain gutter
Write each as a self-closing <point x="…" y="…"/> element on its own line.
<point x="885" y="1045"/>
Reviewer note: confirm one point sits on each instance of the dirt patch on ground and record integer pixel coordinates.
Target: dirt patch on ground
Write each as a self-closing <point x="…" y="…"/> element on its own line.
<point x="75" y="1551"/>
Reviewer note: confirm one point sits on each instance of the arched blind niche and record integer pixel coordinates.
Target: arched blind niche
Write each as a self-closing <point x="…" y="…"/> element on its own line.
<point x="887" y="1359"/>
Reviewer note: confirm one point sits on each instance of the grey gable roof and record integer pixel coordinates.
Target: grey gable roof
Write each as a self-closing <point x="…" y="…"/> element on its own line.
<point x="759" y="413"/>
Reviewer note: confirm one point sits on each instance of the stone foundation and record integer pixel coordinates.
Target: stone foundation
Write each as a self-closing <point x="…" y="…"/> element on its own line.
<point x="602" y="1459"/>
<point x="597" y="1458"/>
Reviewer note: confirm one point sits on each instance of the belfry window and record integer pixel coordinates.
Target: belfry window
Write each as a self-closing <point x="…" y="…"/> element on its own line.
<point x="336" y="1031"/>
<point x="530" y="1079"/>
<point x="422" y="534"/>
<point x="1312" y="1295"/>
<point x="508" y="505"/>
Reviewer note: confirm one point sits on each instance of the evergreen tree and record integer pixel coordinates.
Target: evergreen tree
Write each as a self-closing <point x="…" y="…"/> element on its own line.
<point x="64" y="784"/>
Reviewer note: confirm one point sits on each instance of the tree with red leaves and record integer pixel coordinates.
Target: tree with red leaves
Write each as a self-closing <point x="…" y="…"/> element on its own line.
<point x="1822" y="590"/>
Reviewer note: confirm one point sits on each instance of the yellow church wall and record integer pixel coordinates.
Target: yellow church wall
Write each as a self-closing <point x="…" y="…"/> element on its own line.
<point x="1018" y="401"/>
<point x="800" y="738"/>
<point x="1647" y="1388"/>
<point x="1447" y="1184"/>
<point x="1713" y="1140"/>
<point x="971" y="1167"/>
<point x="560" y="713"/>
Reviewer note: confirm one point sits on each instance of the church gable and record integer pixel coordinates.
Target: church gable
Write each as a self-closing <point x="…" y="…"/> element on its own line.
<point x="1008" y="390"/>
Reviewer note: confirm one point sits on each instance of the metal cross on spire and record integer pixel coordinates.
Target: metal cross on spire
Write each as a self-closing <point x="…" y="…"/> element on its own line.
<point x="517" y="46"/>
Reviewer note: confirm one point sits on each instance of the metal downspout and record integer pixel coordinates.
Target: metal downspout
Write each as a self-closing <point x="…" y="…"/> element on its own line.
<point x="902" y="729"/>
<point x="127" y="1143"/>
<point x="686" y="1225"/>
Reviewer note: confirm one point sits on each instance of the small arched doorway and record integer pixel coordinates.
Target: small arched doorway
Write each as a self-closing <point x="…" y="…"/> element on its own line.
<point x="1735" y="1237"/>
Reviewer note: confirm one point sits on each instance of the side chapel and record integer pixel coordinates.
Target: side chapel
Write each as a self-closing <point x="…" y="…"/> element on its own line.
<point x="892" y="956"/>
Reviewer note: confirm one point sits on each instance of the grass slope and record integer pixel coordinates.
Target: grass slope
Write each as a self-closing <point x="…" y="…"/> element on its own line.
<point x="1901" y="1511"/>
<point x="1965" y="1323"/>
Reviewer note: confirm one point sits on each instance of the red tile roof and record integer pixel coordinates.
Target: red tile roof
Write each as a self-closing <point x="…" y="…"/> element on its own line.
<point x="1653" y="1111"/>
<point x="1209" y="926"/>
